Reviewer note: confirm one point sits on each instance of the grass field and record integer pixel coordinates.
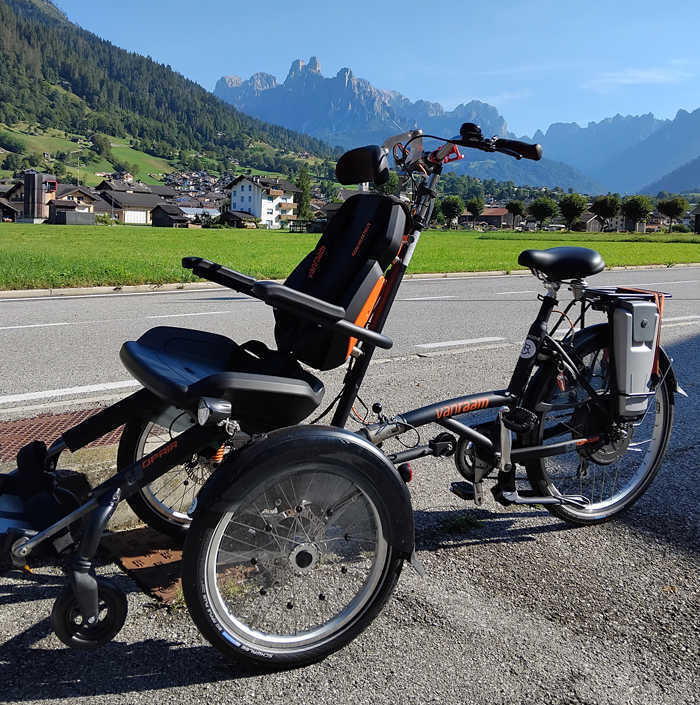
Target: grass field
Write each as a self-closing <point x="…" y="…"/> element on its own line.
<point x="43" y="256"/>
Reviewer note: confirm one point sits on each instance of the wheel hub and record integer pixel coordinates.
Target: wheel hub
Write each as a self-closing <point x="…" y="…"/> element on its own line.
<point x="303" y="558"/>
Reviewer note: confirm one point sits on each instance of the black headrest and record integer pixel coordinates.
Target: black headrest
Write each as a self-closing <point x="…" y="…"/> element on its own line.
<point x="363" y="164"/>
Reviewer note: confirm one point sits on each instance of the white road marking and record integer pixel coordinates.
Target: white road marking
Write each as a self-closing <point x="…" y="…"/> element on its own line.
<point x="524" y="291"/>
<point x="449" y="343"/>
<point x="182" y="315"/>
<point x="681" y="318"/>
<point x="428" y="298"/>
<point x="114" y="320"/>
<point x="38" y="325"/>
<point x="70" y="297"/>
<point x="679" y="281"/>
<point x="48" y="393"/>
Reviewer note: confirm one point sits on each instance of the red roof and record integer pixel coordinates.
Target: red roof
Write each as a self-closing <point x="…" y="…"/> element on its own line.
<point x="494" y="211"/>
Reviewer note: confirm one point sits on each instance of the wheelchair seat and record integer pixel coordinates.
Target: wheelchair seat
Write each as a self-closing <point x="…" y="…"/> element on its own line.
<point x="559" y="263"/>
<point x="267" y="389"/>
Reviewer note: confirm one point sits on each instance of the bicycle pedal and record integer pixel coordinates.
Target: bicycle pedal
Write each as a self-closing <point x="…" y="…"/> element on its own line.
<point x="519" y="419"/>
<point x="464" y="490"/>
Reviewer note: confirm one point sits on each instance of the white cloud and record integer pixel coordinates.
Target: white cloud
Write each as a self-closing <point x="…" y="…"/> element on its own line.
<point x="609" y="80"/>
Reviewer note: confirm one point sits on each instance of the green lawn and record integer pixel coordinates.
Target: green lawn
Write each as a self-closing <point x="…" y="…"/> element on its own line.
<point x="38" y="256"/>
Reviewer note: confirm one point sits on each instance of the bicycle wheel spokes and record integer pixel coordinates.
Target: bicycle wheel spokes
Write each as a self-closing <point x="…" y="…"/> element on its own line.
<point x="297" y="561"/>
<point x="604" y="481"/>
<point x="171" y="495"/>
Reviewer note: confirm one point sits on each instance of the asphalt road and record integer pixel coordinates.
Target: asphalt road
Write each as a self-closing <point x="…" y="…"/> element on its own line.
<point x="515" y="606"/>
<point x="53" y="345"/>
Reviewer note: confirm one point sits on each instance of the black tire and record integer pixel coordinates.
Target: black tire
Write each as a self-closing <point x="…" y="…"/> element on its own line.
<point x="69" y="626"/>
<point x="152" y="503"/>
<point x="613" y="477"/>
<point x="283" y="581"/>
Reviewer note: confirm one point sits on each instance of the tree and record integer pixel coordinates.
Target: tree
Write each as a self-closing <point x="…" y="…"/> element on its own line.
<point x="515" y="208"/>
<point x="636" y="209"/>
<point x="475" y="206"/>
<point x="542" y="209"/>
<point x="606" y="207"/>
<point x="13" y="162"/>
<point x="571" y="207"/>
<point x="438" y="216"/>
<point x="303" y="197"/>
<point x="11" y="143"/>
<point x="672" y="208"/>
<point x="391" y="187"/>
<point x="452" y="207"/>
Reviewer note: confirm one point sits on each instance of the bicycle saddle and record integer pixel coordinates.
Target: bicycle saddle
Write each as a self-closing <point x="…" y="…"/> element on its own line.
<point x="559" y="263"/>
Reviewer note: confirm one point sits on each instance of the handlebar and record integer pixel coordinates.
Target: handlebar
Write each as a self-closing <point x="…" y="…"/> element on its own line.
<point x="523" y="149"/>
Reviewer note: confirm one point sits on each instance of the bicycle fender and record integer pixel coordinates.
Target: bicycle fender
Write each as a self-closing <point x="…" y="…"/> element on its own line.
<point x="668" y="371"/>
<point x="303" y="443"/>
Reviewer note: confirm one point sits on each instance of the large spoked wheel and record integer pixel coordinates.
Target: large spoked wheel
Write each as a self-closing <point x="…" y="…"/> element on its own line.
<point x="611" y="476"/>
<point x="164" y="503"/>
<point x="299" y="564"/>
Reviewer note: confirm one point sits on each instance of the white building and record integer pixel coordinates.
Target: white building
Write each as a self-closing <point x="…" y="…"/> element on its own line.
<point x="270" y="200"/>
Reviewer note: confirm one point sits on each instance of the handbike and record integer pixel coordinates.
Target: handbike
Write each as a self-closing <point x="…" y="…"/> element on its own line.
<point x="299" y="533"/>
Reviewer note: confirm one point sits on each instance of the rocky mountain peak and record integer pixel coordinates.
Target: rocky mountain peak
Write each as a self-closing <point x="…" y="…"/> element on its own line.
<point x="314" y="65"/>
<point x="295" y="69"/>
<point x="231" y="81"/>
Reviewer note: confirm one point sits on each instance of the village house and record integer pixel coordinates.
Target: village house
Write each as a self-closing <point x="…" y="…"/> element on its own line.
<point x="695" y="215"/>
<point x="494" y="217"/>
<point x="168" y="215"/>
<point x="588" y="223"/>
<point x="131" y="208"/>
<point x="270" y="200"/>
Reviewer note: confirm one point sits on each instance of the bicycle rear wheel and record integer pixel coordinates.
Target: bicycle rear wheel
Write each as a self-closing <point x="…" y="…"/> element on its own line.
<point x="612" y="476"/>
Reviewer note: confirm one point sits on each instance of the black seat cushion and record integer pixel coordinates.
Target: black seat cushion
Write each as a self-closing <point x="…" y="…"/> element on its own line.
<point x="559" y="263"/>
<point x="267" y="389"/>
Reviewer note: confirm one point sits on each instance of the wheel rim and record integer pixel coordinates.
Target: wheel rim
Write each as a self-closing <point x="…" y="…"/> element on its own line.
<point x="171" y="495"/>
<point x="606" y="485"/>
<point x="294" y="565"/>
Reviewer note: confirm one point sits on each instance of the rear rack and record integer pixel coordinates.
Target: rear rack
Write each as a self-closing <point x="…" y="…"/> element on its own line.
<point x="608" y="294"/>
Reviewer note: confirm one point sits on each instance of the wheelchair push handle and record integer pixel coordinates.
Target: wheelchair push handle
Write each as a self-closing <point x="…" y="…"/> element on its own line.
<point x="219" y="274"/>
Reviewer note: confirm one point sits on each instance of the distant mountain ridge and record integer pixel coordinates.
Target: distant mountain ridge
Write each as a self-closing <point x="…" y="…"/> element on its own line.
<point x="685" y="179"/>
<point x="349" y="111"/>
<point x="56" y="74"/>
<point x="345" y="109"/>
<point x="589" y="148"/>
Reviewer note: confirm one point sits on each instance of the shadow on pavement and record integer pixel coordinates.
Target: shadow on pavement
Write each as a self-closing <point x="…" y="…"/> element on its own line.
<point x="116" y="668"/>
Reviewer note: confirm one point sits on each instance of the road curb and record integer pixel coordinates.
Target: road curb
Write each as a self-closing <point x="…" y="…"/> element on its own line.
<point x="194" y="286"/>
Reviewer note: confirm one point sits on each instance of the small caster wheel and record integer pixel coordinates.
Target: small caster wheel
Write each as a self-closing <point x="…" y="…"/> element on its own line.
<point x="73" y="631"/>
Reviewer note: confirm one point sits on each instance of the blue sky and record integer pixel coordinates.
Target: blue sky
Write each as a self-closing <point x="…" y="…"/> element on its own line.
<point x="538" y="62"/>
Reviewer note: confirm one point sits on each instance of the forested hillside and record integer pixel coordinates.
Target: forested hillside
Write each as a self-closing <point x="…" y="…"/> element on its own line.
<point x="56" y="74"/>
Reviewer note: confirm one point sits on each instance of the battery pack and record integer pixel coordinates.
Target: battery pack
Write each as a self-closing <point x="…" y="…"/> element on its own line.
<point x="635" y="328"/>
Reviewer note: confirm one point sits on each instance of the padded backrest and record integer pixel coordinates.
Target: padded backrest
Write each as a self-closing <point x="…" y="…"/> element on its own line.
<point x="345" y="268"/>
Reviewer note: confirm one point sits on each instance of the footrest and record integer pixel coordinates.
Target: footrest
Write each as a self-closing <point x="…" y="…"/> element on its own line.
<point x="464" y="490"/>
<point x="519" y="419"/>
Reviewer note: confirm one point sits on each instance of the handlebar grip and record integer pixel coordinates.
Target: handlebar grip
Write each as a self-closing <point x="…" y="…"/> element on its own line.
<point x="529" y="151"/>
